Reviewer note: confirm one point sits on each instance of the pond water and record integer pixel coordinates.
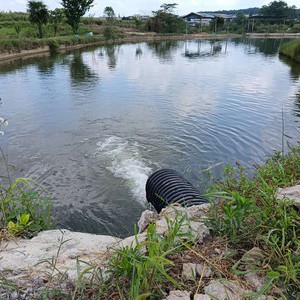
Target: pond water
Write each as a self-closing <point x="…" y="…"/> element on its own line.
<point x="92" y="125"/>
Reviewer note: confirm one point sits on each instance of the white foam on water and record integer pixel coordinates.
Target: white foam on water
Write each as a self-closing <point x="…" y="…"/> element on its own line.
<point x="123" y="159"/>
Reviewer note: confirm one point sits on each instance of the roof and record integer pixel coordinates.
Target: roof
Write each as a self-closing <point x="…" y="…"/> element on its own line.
<point x="200" y="15"/>
<point x="225" y="16"/>
<point x="204" y="15"/>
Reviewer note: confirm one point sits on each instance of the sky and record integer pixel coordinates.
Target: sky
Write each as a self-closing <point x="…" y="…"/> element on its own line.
<point x="131" y="7"/>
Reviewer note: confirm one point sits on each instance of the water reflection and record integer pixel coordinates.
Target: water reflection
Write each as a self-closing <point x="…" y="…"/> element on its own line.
<point x="21" y="63"/>
<point x="47" y="65"/>
<point x="111" y="52"/>
<point x="268" y="47"/>
<point x="214" y="49"/>
<point x="163" y="49"/>
<point x="295" y="67"/>
<point x="297" y="105"/>
<point x="81" y="73"/>
<point x="138" y="52"/>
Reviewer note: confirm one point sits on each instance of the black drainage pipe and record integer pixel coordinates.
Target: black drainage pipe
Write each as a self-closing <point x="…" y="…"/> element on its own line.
<point x="167" y="186"/>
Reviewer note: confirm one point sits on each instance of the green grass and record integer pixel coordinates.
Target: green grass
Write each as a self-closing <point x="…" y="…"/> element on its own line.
<point x="291" y="50"/>
<point x="141" y="271"/>
<point x="18" y="44"/>
<point x="250" y="214"/>
<point x="25" y="208"/>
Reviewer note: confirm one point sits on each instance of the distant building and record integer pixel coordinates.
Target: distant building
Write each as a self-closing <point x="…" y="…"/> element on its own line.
<point x="204" y="18"/>
<point x="198" y="18"/>
<point x="141" y="17"/>
<point x="224" y="16"/>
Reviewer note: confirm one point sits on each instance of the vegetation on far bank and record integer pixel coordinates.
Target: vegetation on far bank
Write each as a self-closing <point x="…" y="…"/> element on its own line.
<point x="40" y="26"/>
<point x="291" y="50"/>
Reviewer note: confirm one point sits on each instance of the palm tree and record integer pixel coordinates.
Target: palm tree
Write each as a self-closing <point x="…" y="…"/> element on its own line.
<point x="38" y="14"/>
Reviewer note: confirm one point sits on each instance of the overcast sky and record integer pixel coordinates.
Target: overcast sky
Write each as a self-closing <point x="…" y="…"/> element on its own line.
<point x="130" y="7"/>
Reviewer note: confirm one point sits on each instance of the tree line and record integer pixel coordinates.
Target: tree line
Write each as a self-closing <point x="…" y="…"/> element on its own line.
<point x="73" y="10"/>
<point x="163" y="20"/>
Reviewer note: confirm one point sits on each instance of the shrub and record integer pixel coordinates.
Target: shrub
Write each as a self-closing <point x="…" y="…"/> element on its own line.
<point x="111" y="33"/>
<point x="53" y="45"/>
<point x="291" y="49"/>
<point x="25" y="208"/>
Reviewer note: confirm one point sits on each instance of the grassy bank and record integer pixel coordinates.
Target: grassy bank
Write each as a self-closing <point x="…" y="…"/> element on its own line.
<point x="291" y="50"/>
<point x="246" y="214"/>
<point x="251" y="215"/>
<point x="17" y="33"/>
<point x="18" y="45"/>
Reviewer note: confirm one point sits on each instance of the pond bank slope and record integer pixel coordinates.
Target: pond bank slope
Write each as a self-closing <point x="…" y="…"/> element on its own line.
<point x="291" y="50"/>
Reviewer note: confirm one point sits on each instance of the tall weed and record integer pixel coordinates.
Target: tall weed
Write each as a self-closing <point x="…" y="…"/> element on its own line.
<point x="252" y="215"/>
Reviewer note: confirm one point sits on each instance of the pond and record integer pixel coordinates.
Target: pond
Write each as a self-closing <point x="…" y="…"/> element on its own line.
<point x="92" y="125"/>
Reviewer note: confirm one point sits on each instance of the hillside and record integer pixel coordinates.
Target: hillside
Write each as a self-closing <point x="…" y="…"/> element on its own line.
<point x="246" y="11"/>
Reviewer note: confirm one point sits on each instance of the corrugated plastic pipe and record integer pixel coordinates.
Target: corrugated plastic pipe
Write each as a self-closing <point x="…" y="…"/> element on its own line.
<point x="167" y="186"/>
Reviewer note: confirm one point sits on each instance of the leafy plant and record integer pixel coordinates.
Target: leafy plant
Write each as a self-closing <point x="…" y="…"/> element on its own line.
<point x="143" y="268"/>
<point x="23" y="208"/>
<point x="20" y="225"/>
<point x="74" y="10"/>
<point x="111" y="33"/>
<point x="53" y="45"/>
<point x="250" y="214"/>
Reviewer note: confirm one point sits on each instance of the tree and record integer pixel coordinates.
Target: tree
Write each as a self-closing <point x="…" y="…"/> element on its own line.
<point x="56" y="17"/>
<point x="278" y="9"/>
<point x="240" y="19"/>
<point x="164" y="21"/>
<point x="74" y="10"/>
<point x="38" y="14"/>
<point x="109" y="12"/>
<point x="169" y="7"/>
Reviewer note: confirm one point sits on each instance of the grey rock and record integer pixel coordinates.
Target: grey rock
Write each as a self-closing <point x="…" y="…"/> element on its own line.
<point x="192" y="212"/>
<point x="201" y="297"/>
<point x="131" y="241"/>
<point x="198" y="211"/>
<point x="256" y="281"/>
<point x="207" y="271"/>
<point x="189" y="271"/>
<point x="179" y="295"/>
<point x="292" y="193"/>
<point x="198" y="230"/>
<point x="38" y="281"/>
<point x="14" y="295"/>
<point x="224" y="290"/>
<point x="74" y="254"/>
<point x="218" y="251"/>
<point x="146" y="218"/>
<point x="24" y="257"/>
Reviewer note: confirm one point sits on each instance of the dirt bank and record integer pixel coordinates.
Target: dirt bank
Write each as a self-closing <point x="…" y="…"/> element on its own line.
<point x="273" y="35"/>
<point x="140" y="37"/>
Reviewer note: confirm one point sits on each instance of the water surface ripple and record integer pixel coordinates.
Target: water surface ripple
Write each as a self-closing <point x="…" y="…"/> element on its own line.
<point x="92" y="125"/>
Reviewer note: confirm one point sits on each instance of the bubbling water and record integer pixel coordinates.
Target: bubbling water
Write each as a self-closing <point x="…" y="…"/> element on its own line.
<point x="124" y="160"/>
